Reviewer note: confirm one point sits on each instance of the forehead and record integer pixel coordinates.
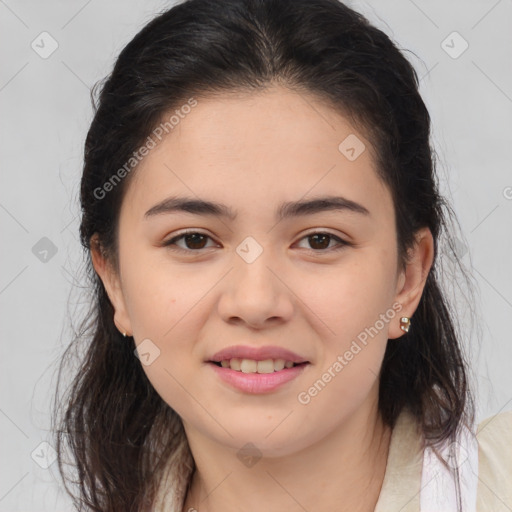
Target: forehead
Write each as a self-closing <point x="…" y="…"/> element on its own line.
<point x="258" y="150"/>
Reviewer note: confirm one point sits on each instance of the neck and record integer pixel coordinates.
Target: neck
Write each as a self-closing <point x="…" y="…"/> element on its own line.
<point x="344" y="471"/>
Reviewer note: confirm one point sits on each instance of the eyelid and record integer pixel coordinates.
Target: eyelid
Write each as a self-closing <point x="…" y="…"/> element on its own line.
<point x="181" y="234"/>
<point x="341" y="241"/>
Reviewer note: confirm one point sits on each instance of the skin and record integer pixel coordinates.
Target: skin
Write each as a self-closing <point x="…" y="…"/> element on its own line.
<point x="252" y="152"/>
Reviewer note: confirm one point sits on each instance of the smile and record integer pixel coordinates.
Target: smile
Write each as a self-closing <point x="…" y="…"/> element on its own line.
<point x="250" y="376"/>
<point x="253" y="366"/>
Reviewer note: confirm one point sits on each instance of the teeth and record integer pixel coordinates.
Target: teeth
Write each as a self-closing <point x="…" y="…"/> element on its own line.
<point x="248" y="366"/>
<point x="279" y="364"/>
<point x="266" y="366"/>
<point x="252" y="366"/>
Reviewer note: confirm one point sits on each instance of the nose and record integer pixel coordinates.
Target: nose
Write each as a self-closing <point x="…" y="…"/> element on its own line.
<point x="256" y="294"/>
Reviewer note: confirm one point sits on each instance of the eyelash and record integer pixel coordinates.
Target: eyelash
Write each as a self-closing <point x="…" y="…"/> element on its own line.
<point x="342" y="243"/>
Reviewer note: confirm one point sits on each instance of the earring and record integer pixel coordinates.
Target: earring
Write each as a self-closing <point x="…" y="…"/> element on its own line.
<point x="405" y="323"/>
<point x="121" y="331"/>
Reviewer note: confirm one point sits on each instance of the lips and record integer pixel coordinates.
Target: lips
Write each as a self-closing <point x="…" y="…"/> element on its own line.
<point x="256" y="354"/>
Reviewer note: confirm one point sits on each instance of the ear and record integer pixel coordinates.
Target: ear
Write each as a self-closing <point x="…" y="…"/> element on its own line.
<point x="111" y="281"/>
<point x="412" y="279"/>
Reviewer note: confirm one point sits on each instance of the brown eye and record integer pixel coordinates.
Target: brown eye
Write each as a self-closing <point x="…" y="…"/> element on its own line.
<point x="194" y="241"/>
<point x="320" y="241"/>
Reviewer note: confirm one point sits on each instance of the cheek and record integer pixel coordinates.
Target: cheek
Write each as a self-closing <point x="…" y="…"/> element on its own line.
<point x="169" y="304"/>
<point x="163" y="304"/>
<point x="352" y="296"/>
<point x="355" y="307"/>
<point x="161" y="296"/>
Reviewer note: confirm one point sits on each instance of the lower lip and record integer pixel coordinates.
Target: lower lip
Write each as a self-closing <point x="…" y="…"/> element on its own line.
<point x="257" y="382"/>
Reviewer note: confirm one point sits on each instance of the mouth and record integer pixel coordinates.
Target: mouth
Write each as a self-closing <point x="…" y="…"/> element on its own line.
<point x="261" y="369"/>
<point x="257" y="377"/>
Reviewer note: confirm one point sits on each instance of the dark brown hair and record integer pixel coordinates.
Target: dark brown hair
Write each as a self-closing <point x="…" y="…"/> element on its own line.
<point x="116" y="428"/>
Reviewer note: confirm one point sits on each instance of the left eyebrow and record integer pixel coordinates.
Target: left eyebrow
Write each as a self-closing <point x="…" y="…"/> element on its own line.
<point x="285" y="210"/>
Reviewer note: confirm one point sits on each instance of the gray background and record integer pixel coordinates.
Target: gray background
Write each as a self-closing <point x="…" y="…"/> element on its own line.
<point x="45" y="115"/>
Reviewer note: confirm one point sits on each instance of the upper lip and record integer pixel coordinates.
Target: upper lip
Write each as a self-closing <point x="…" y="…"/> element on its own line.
<point x="257" y="354"/>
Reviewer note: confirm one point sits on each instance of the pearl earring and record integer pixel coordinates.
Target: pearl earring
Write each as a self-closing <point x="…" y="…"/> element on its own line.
<point x="405" y="323"/>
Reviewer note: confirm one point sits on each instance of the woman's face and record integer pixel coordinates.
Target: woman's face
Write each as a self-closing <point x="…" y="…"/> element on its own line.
<point x="258" y="279"/>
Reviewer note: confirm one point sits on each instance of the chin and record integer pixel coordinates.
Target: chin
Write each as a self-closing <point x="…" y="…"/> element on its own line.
<point x="262" y="442"/>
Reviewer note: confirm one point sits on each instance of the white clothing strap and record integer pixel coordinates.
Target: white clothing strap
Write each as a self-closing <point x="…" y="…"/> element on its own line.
<point x="438" y="484"/>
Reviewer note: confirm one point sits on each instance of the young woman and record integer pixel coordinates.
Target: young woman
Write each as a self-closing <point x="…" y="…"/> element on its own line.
<point x="262" y="223"/>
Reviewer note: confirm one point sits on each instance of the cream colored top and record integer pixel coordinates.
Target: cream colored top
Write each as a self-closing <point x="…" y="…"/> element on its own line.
<point x="401" y="488"/>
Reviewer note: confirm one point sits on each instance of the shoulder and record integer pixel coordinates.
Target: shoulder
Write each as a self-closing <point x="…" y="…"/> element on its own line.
<point x="494" y="436"/>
